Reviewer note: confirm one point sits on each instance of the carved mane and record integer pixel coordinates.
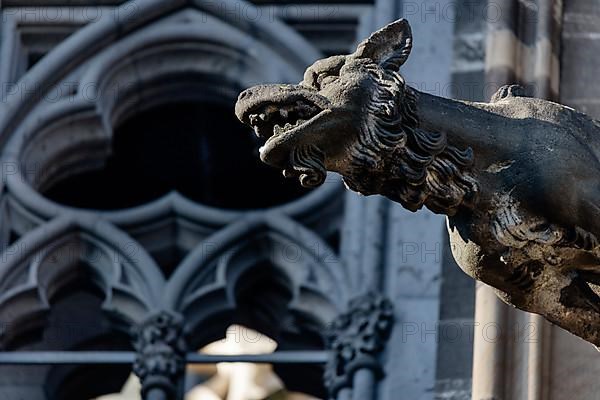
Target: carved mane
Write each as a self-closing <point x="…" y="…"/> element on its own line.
<point x="529" y="225"/>
<point x="393" y="156"/>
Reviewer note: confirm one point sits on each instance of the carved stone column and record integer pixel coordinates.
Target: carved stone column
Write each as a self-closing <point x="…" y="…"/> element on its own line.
<point x="356" y="339"/>
<point x="160" y="360"/>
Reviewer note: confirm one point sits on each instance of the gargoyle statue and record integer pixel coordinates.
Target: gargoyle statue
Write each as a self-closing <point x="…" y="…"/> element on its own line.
<point x="518" y="178"/>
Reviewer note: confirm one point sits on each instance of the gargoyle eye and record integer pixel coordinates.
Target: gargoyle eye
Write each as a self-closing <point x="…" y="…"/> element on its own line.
<point x="316" y="80"/>
<point x="322" y="79"/>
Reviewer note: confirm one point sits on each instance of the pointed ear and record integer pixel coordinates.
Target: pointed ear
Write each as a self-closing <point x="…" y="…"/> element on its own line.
<point x="389" y="47"/>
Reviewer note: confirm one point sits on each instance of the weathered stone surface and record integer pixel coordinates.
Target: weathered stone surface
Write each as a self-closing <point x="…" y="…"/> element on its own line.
<point x="161" y="348"/>
<point x="356" y="338"/>
<point x="517" y="177"/>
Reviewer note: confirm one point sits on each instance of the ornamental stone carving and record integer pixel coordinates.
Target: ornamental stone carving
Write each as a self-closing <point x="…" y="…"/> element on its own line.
<point x="518" y="178"/>
<point x="161" y="351"/>
<point x="356" y="338"/>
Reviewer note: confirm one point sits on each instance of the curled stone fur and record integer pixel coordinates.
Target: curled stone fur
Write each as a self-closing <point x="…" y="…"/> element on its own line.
<point x="405" y="163"/>
<point x="518" y="178"/>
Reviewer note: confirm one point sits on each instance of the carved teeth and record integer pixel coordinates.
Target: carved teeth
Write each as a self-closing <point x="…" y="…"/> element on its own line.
<point x="273" y="119"/>
<point x="277" y="129"/>
<point x="256" y="119"/>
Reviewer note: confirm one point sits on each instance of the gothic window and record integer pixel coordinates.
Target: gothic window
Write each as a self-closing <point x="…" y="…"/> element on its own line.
<point x="136" y="216"/>
<point x="197" y="149"/>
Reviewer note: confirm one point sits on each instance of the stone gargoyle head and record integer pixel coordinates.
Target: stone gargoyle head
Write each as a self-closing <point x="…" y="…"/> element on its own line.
<point x="354" y="115"/>
<point x="518" y="177"/>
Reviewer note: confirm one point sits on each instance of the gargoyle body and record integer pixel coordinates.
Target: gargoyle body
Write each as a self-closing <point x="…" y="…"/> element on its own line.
<point x="518" y="178"/>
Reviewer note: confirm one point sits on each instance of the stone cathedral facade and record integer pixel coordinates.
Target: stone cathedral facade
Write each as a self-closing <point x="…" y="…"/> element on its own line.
<point x="138" y="228"/>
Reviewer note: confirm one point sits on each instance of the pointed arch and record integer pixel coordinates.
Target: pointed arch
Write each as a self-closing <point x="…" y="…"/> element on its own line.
<point x="50" y="259"/>
<point x="127" y="19"/>
<point x="207" y="282"/>
<point x="114" y="67"/>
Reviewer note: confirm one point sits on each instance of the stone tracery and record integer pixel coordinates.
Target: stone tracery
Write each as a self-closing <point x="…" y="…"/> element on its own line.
<point x="43" y="143"/>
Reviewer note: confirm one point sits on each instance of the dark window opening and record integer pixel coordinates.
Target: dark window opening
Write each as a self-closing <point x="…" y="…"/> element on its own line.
<point x="75" y="322"/>
<point x="200" y="150"/>
<point x="13" y="237"/>
<point x="33" y="58"/>
<point x="263" y="295"/>
<point x="81" y="381"/>
<point x="334" y="241"/>
<point x="39" y="39"/>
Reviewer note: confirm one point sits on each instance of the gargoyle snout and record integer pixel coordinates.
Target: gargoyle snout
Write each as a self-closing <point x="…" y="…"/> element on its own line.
<point x="244" y="94"/>
<point x="242" y="100"/>
<point x="249" y="99"/>
<point x="278" y="95"/>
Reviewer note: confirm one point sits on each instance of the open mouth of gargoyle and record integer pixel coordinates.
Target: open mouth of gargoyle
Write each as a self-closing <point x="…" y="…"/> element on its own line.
<point x="272" y="119"/>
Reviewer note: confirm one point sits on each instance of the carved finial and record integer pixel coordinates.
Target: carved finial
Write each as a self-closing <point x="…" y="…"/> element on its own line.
<point x="161" y="351"/>
<point x="356" y="338"/>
